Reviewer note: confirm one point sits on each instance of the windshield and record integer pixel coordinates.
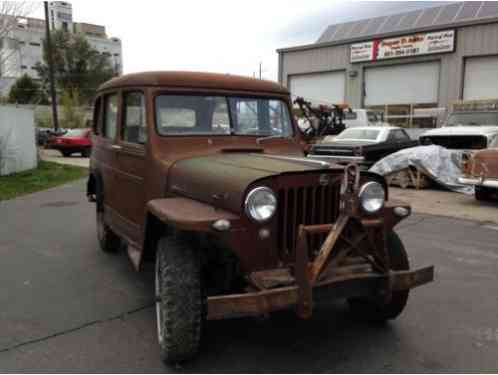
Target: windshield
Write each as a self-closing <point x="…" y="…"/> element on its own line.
<point x="473" y="118"/>
<point x="76" y="133"/>
<point x="359" y="134"/>
<point x="219" y="115"/>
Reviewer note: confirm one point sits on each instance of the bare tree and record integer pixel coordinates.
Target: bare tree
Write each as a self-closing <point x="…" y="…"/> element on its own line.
<point x="12" y="16"/>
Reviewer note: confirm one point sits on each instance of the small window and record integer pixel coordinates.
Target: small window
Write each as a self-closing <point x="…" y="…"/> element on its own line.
<point x="398" y="135"/>
<point x="135" y="128"/>
<point x="96" y="116"/>
<point x="34" y="44"/>
<point x="24" y="67"/>
<point x="111" y="116"/>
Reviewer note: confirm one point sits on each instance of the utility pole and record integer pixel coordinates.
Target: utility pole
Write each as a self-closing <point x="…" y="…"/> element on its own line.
<point x="55" y="118"/>
<point x="260" y="69"/>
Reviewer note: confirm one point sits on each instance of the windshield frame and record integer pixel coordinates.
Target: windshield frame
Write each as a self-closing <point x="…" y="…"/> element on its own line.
<point x="227" y="95"/>
<point x="472" y="113"/>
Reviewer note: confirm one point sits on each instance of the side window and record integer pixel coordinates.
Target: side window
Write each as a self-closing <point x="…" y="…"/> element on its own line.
<point x="96" y="116"/>
<point x="110" y="116"/>
<point x="135" y="126"/>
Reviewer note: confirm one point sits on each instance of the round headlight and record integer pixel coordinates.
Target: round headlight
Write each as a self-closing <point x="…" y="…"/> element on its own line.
<point x="261" y="204"/>
<point x="372" y="197"/>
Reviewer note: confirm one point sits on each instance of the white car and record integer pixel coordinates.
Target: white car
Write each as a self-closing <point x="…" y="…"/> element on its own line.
<point x="471" y="130"/>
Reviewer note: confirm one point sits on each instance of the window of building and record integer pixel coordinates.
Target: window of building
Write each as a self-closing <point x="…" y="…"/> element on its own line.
<point x="135" y="128"/>
<point x="24" y="67"/>
<point x="110" y="116"/>
<point x="65" y="27"/>
<point x="34" y="44"/>
<point x="422" y="115"/>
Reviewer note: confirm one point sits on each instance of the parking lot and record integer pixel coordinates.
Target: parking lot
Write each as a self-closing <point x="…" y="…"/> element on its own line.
<point x="68" y="306"/>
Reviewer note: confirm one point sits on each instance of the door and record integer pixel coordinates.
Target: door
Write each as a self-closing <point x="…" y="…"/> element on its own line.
<point x="105" y="155"/>
<point x="481" y="78"/>
<point x="319" y="88"/>
<point x="402" y="84"/>
<point x="131" y="165"/>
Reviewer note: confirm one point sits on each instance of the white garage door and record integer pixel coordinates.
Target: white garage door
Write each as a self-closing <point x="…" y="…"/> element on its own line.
<point x="402" y="84"/>
<point x="481" y="78"/>
<point x="319" y="88"/>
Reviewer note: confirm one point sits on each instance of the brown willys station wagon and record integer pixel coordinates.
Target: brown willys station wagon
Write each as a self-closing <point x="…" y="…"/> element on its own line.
<point x="205" y="175"/>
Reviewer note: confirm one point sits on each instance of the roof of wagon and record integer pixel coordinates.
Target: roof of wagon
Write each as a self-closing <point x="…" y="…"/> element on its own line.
<point x="194" y="80"/>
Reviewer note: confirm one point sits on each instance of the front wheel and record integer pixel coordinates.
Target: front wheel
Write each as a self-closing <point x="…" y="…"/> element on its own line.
<point x="66" y="154"/>
<point x="376" y="309"/>
<point x="482" y="193"/>
<point x="86" y="153"/>
<point x="181" y="303"/>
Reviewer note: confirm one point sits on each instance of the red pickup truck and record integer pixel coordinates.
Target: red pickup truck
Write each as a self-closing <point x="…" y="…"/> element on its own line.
<point x="74" y="141"/>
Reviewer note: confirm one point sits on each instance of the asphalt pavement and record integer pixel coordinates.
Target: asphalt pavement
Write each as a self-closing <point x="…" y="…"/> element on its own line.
<point x="66" y="306"/>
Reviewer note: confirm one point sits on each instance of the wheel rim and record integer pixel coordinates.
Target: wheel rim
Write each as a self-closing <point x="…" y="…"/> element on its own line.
<point x="158" y="302"/>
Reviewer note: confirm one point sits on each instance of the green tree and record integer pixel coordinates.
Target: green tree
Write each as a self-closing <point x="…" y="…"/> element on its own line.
<point x="73" y="116"/>
<point x="27" y="91"/>
<point x="77" y="66"/>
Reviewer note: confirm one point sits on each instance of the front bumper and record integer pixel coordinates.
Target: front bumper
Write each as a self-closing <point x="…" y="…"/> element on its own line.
<point x="357" y="285"/>
<point x="473" y="181"/>
<point x="338" y="159"/>
<point x="346" y="266"/>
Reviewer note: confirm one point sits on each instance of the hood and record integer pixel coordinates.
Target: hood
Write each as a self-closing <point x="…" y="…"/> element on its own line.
<point x="223" y="179"/>
<point x="463" y="130"/>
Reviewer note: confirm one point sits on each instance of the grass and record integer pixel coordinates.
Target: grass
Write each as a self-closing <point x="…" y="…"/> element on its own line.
<point x="46" y="176"/>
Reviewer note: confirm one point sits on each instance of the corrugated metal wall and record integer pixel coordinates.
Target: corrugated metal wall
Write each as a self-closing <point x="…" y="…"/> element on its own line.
<point x="477" y="40"/>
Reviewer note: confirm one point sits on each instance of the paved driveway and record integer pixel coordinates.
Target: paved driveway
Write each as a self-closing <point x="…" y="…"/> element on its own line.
<point x="65" y="306"/>
<point x="56" y="156"/>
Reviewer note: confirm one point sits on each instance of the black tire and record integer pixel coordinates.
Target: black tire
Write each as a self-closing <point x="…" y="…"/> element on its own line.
<point x="109" y="241"/>
<point x="376" y="309"/>
<point x="66" y="154"/>
<point x="482" y="194"/>
<point x="181" y="303"/>
<point x="86" y="153"/>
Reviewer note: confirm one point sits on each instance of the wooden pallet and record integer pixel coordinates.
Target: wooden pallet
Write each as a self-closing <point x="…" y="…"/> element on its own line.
<point x="409" y="177"/>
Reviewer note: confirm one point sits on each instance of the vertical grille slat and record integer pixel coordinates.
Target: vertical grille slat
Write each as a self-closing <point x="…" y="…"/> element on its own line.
<point x="308" y="204"/>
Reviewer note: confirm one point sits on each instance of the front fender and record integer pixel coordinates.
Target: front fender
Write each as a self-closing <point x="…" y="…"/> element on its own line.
<point x="188" y="215"/>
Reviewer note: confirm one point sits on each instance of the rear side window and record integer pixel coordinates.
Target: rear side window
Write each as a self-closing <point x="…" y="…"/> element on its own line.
<point x="134" y="130"/>
<point x="111" y="116"/>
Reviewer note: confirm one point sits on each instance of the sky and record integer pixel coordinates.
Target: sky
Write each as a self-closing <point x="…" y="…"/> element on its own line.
<point x="224" y="36"/>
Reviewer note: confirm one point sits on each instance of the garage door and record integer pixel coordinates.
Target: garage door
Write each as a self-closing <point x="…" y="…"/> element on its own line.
<point x="481" y="78"/>
<point x="319" y="88"/>
<point x="402" y="84"/>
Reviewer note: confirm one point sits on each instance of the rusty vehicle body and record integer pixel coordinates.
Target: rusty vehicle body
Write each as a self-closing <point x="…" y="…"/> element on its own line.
<point x="481" y="171"/>
<point x="170" y="197"/>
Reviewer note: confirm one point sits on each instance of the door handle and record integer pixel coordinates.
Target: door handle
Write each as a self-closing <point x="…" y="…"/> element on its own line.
<point x="116" y="147"/>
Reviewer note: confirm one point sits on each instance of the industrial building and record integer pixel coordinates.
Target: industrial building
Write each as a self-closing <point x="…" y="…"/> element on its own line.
<point x="22" y="48"/>
<point x="410" y="66"/>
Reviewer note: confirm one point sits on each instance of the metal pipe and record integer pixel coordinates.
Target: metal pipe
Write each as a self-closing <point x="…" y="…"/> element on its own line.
<point x="53" y="95"/>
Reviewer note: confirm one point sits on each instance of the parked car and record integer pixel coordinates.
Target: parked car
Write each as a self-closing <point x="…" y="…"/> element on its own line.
<point x="471" y="126"/>
<point x="204" y="174"/>
<point x="364" y="145"/>
<point x="481" y="171"/>
<point x="363" y="117"/>
<point x="73" y="141"/>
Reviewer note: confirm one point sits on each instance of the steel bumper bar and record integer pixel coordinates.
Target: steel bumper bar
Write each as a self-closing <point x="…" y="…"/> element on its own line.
<point x="487" y="182"/>
<point x="266" y="301"/>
